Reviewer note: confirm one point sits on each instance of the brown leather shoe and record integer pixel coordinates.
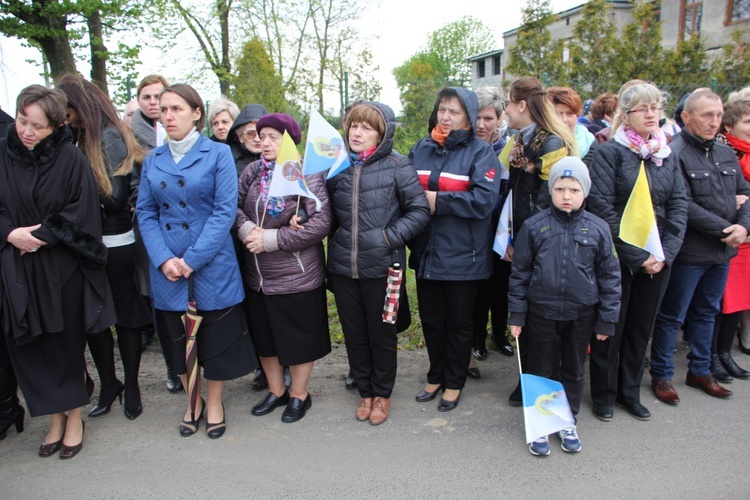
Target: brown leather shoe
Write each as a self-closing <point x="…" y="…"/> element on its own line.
<point x="380" y="407"/>
<point x="364" y="409"/>
<point x="708" y="384"/>
<point x="665" y="391"/>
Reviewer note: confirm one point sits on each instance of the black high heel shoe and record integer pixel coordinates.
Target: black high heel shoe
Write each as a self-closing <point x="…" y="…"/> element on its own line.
<point x="425" y="396"/>
<point x="190" y="427"/>
<point x="743" y="349"/>
<point x="215" y="431"/>
<point x="11" y="413"/>
<point x="133" y="414"/>
<point x="98" y="411"/>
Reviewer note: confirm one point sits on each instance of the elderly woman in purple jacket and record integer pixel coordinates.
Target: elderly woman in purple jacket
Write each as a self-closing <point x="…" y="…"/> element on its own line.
<point x="285" y="270"/>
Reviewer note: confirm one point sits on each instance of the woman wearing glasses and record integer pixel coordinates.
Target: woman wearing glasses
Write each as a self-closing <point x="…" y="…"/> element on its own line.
<point x="617" y="364"/>
<point x="243" y="138"/>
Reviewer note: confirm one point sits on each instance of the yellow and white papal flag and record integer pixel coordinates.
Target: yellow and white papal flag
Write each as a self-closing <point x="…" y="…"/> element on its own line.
<point x="638" y="222"/>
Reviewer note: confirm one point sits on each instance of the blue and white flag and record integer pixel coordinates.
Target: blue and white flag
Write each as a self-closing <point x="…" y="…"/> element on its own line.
<point x="504" y="231"/>
<point x="325" y="149"/>
<point x="545" y="407"/>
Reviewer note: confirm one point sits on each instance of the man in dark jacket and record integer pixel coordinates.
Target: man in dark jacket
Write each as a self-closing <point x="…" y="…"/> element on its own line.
<point x="716" y="227"/>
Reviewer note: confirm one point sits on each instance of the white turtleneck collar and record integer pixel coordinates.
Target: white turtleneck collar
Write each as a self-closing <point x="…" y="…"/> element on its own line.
<point x="180" y="148"/>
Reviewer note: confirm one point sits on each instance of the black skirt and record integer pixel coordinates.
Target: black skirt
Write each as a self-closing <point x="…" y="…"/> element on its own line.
<point x="225" y="350"/>
<point x="292" y="327"/>
<point x="132" y="310"/>
<point x="50" y="369"/>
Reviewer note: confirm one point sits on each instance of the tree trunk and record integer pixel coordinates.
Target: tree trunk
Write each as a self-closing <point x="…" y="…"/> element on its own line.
<point x="56" y="47"/>
<point x="222" y="7"/>
<point x="99" y="54"/>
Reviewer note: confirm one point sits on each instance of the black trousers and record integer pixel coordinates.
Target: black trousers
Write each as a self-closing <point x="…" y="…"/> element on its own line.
<point x="617" y="364"/>
<point x="370" y="343"/>
<point x="559" y="346"/>
<point x="446" y="309"/>
<point x="492" y="296"/>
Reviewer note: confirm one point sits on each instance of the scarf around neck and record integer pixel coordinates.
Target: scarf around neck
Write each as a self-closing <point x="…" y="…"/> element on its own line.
<point x="274" y="204"/>
<point x="655" y="149"/>
<point x="179" y="149"/>
<point x="438" y="135"/>
<point x="743" y="147"/>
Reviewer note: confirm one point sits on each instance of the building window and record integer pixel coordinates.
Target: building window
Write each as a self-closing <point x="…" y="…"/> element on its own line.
<point x="657" y="12"/>
<point x="692" y="13"/>
<point x="496" y="65"/>
<point x="738" y="11"/>
<point x="480" y="69"/>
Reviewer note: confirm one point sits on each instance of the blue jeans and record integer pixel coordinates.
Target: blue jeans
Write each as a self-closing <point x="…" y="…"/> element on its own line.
<point x="693" y="297"/>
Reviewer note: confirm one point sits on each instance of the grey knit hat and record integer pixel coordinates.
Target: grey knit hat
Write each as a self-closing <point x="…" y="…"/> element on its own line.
<point x="572" y="167"/>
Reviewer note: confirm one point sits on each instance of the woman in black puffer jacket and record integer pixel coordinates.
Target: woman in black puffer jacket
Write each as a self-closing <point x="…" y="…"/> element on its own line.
<point x="378" y="205"/>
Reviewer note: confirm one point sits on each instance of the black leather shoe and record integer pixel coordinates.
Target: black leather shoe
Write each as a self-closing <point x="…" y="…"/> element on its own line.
<point x="174" y="384"/>
<point x="719" y="372"/>
<point x="605" y="413"/>
<point x="480" y="353"/>
<point x="743" y="349"/>
<point x="516" y="398"/>
<point x="350" y="382"/>
<point x="260" y="381"/>
<point x="132" y="415"/>
<point x="101" y="408"/>
<point x="732" y="367"/>
<point x="190" y="427"/>
<point x="636" y="410"/>
<point x="296" y="409"/>
<point x="448" y="405"/>
<point x="474" y="373"/>
<point x="425" y="396"/>
<point x="505" y="350"/>
<point x="215" y="431"/>
<point x="270" y="403"/>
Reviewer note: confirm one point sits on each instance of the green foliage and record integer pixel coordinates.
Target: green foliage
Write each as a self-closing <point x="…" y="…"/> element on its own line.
<point x="639" y="51"/>
<point x="535" y="53"/>
<point x="450" y="46"/>
<point x="734" y="68"/>
<point x="256" y="79"/>
<point x="364" y="83"/>
<point x="418" y="81"/>
<point x="593" y="50"/>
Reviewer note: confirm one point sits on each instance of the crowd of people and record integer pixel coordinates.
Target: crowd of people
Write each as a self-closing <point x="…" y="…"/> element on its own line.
<point x="112" y="226"/>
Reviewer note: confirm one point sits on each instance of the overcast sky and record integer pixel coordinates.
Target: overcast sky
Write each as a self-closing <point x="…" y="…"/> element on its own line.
<point x="403" y="26"/>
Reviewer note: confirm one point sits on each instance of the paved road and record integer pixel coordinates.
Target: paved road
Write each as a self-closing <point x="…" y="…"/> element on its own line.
<point x="696" y="450"/>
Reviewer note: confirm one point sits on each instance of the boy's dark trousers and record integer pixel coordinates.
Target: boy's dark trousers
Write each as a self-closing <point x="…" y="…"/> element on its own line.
<point x="566" y="342"/>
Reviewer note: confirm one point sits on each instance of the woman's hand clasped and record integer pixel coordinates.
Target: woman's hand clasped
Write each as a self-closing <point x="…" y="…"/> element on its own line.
<point x="254" y="241"/>
<point x="652" y="266"/>
<point x="24" y="241"/>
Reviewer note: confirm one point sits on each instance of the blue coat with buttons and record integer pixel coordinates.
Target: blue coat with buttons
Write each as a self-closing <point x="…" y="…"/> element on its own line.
<point x="186" y="210"/>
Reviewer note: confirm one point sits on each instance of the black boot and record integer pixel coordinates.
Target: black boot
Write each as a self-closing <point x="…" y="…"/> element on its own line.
<point x="287" y="377"/>
<point x="102" y="348"/>
<point x="733" y="368"/>
<point x="718" y="370"/>
<point x="10" y="411"/>
<point x="260" y="381"/>
<point x="129" y="342"/>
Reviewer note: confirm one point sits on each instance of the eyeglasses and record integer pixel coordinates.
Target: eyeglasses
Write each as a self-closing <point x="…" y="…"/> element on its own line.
<point x="250" y="134"/>
<point x="645" y="109"/>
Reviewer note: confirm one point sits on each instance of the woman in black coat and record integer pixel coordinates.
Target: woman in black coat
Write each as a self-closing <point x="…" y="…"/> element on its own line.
<point x="378" y="205"/>
<point x="55" y="286"/>
<point x="617" y="363"/>
<point x="111" y="151"/>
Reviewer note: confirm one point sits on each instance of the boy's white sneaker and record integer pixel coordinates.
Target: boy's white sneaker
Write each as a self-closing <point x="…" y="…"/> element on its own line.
<point x="569" y="440"/>
<point x="539" y="447"/>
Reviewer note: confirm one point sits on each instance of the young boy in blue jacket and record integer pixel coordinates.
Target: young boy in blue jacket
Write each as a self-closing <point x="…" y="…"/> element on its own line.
<point x="564" y="287"/>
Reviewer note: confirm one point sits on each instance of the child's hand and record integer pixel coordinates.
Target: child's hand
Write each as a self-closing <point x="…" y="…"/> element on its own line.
<point x="601" y="337"/>
<point x="515" y="330"/>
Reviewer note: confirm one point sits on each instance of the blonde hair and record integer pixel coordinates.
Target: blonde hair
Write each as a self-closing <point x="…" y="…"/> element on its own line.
<point x="634" y="94"/>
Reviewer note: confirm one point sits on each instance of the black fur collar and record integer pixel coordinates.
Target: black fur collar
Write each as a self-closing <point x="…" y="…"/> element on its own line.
<point x="43" y="152"/>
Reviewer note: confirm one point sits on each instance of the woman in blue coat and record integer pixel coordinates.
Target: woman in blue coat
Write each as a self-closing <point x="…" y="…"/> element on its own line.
<point x="186" y="207"/>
